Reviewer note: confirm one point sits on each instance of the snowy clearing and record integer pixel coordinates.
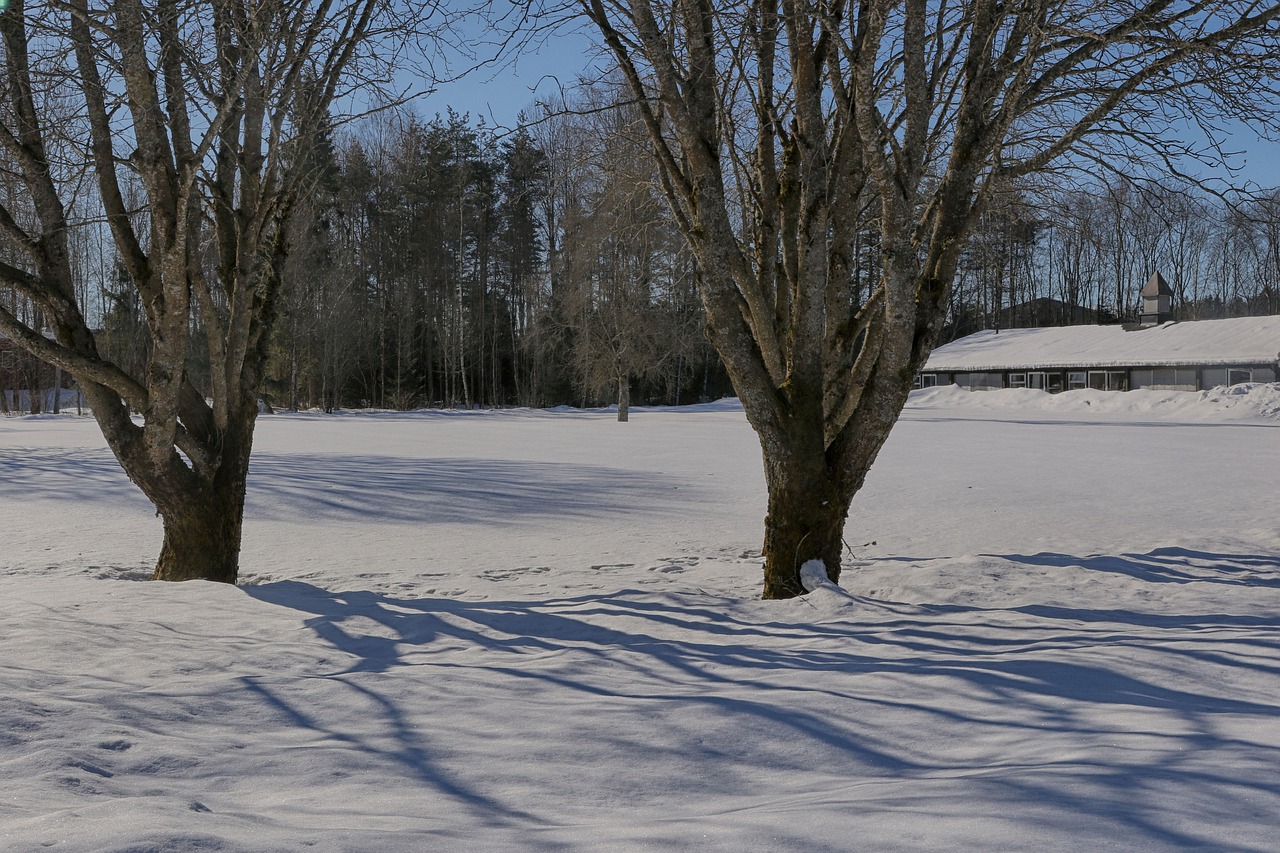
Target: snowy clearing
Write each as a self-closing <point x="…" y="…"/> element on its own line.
<point x="532" y="630"/>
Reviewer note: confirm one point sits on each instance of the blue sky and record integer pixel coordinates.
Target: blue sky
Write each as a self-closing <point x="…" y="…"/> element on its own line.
<point x="499" y="92"/>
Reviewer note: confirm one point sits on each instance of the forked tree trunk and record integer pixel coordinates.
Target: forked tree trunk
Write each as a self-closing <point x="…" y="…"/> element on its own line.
<point x="202" y="525"/>
<point x="812" y="481"/>
<point x="201" y="507"/>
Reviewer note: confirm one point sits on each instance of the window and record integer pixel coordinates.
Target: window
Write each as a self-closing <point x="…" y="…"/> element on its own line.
<point x="1166" y="379"/>
<point x="1214" y="376"/>
<point x="1017" y="380"/>
<point x="1236" y="375"/>
<point x="980" y="381"/>
<point x="929" y="380"/>
<point x="1076" y="381"/>
<point x="1108" y="380"/>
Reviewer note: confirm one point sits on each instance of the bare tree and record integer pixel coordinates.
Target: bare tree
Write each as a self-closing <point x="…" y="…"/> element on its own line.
<point x="620" y="260"/>
<point x="208" y="104"/>
<point x="770" y="119"/>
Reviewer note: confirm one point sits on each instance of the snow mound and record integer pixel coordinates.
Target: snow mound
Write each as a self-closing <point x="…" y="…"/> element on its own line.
<point x="1256" y="398"/>
<point x="813" y="575"/>
<point x="829" y="599"/>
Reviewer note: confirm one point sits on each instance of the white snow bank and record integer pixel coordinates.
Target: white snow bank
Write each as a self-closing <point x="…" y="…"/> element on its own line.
<point x="1250" y="398"/>
<point x="1246" y="401"/>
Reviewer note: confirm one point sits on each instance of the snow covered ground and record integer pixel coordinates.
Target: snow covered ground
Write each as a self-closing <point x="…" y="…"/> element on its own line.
<point x="538" y="631"/>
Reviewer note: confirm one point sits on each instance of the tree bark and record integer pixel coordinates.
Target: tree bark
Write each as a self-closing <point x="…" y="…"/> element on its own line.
<point x="807" y="512"/>
<point x="203" y="522"/>
<point x="202" y="539"/>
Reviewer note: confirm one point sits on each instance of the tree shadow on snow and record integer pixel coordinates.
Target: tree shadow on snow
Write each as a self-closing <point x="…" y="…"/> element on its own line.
<point x="1170" y="565"/>
<point x="859" y="698"/>
<point x="73" y="474"/>
<point x="367" y="487"/>
<point x="468" y="491"/>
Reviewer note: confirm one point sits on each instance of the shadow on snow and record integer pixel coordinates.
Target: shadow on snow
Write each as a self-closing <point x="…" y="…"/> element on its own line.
<point x="468" y="491"/>
<point x="370" y="487"/>
<point x="1170" y="565"/>
<point x="850" y="696"/>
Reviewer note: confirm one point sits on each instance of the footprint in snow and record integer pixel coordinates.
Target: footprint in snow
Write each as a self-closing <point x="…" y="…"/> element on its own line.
<point x="675" y="565"/>
<point x="508" y="574"/>
<point x="90" y="768"/>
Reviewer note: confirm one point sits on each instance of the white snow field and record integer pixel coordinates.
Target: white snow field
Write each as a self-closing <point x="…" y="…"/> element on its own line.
<point x="538" y="631"/>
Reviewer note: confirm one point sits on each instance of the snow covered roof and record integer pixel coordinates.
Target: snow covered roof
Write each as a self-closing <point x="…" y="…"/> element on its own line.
<point x="1244" y="340"/>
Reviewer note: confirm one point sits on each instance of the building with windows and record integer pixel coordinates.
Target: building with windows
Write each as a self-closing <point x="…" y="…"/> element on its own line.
<point x="1156" y="353"/>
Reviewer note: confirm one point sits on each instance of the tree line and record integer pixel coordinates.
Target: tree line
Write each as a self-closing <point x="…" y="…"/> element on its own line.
<point x="440" y="262"/>
<point x="443" y="263"/>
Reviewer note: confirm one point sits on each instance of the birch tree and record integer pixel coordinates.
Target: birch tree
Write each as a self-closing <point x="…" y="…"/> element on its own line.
<point x="206" y="104"/>
<point x="771" y="120"/>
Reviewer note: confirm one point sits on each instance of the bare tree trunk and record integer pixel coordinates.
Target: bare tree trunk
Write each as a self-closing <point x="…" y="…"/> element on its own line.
<point x="624" y="398"/>
<point x="806" y="516"/>
<point x="202" y="532"/>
